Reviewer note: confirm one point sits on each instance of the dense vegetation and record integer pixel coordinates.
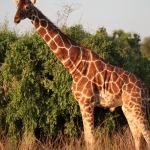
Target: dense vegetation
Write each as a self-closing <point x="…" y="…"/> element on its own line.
<point x="35" y="93"/>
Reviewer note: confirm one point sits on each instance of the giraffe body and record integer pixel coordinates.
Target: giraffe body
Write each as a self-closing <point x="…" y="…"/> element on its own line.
<point x="95" y="82"/>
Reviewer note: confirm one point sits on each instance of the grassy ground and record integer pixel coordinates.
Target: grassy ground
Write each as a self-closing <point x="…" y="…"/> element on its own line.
<point x="119" y="140"/>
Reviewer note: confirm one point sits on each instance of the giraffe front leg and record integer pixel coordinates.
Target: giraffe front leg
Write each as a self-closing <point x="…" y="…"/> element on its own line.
<point x="87" y="111"/>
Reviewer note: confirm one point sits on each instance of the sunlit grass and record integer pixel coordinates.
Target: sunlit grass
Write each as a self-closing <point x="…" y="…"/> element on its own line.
<point x="117" y="140"/>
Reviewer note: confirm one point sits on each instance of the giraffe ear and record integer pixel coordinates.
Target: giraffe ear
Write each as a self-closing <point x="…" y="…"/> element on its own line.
<point x="34" y="2"/>
<point x="16" y="2"/>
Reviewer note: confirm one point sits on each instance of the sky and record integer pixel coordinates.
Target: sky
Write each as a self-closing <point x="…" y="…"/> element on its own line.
<point x="128" y="15"/>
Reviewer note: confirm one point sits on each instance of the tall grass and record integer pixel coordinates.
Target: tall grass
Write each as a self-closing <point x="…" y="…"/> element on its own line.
<point x="116" y="140"/>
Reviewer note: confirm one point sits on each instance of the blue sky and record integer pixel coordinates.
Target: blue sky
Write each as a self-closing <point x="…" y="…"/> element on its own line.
<point x="129" y="15"/>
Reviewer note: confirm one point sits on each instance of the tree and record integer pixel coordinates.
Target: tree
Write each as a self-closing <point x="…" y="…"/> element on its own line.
<point x="65" y="11"/>
<point x="145" y="47"/>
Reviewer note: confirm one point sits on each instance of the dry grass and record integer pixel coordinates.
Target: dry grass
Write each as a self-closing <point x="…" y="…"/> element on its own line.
<point x="119" y="140"/>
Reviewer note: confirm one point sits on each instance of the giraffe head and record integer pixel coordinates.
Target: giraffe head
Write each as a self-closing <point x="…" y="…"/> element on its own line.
<point x="25" y="9"/>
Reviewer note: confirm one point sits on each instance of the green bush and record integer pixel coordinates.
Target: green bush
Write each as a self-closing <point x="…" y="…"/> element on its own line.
<point x="35" y="88"/>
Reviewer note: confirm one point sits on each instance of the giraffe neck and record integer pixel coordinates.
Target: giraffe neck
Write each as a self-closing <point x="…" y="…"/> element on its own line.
<point x="64" y="48"/>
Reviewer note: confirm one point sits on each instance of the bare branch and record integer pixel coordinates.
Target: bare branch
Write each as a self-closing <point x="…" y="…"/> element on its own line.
<point x="65" y="11"/>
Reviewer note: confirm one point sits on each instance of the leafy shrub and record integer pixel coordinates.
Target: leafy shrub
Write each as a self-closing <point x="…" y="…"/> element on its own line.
<point x="35" y="87"/>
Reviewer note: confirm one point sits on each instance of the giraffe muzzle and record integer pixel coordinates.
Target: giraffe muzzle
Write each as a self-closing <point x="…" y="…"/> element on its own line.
<point x="17" y="20"/>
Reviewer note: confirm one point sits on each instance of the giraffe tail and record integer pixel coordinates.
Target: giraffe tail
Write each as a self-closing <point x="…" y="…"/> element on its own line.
<point x="148" y="108"/>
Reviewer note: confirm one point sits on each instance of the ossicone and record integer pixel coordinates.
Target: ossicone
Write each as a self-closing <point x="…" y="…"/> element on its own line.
<point x="25" y="1"/>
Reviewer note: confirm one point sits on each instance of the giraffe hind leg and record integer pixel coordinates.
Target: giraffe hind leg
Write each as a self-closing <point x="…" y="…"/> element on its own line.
<point x="137" y="135"/>
<point x="146" y="136"/>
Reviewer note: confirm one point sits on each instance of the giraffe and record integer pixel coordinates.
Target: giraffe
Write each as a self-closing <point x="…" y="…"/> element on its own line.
<point x="95" y="82"/>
